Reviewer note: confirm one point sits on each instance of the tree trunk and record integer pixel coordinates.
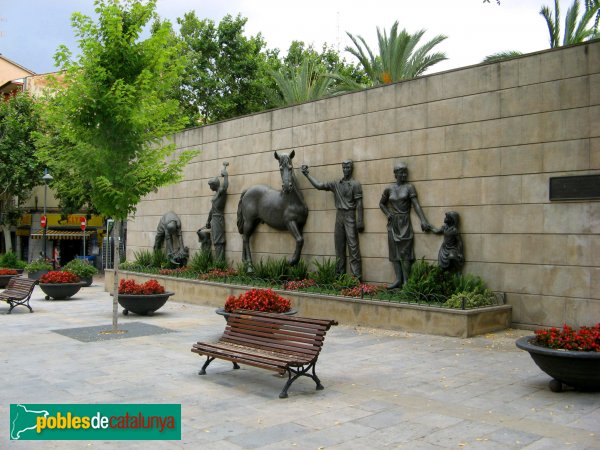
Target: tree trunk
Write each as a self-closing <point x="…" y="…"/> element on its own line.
<point x="117" y="258"/>
<point x="7" y="239"/>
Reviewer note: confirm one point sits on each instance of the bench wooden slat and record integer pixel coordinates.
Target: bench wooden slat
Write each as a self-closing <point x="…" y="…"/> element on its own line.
<point x="274" y="334"/>
<point x="270" y="341"/>
<point x="270" y="344"/>
<point x="291" y="330"/>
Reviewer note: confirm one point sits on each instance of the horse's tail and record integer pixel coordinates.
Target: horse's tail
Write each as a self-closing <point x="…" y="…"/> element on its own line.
<point x="240" y="215"/>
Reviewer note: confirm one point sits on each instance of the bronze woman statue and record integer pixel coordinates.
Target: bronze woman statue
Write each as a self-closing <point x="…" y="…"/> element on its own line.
<point x="396" y="202"/>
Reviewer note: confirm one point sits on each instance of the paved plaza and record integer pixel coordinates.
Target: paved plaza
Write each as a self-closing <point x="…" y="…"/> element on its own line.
<point x="383" y="389"/>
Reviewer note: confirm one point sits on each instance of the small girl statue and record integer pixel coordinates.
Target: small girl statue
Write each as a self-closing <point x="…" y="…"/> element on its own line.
<point x="451" y="256"/>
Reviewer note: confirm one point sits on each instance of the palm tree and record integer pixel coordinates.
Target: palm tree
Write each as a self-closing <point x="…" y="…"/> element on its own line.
<point x="302" y="84"/>
<point x="501" y="56"/>
<point x="575" y="32"/>
<point x="398" y="58"/>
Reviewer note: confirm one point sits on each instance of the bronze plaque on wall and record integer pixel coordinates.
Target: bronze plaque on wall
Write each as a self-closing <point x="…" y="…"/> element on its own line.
<point x="580" y="187"/>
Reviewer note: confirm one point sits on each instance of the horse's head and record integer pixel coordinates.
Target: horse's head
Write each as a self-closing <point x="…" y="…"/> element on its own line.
<point x="286" y="169"/>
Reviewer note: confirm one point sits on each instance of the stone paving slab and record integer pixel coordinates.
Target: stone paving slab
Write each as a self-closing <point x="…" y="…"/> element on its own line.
<point x="383" y="389"/>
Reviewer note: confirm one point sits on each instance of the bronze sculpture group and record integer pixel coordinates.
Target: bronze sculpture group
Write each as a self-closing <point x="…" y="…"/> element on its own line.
<point x="287" y="210"/>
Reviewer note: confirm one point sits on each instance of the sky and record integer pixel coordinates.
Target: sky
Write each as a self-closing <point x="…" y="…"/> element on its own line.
<point x="32" y="30"/>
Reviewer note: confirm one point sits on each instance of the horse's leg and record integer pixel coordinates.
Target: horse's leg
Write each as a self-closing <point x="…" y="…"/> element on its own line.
<point x="297" y="233"/>
<point x="249" y="228"/>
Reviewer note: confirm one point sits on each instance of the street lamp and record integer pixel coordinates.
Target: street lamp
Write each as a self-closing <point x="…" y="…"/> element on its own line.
<point x="47" y="178"/>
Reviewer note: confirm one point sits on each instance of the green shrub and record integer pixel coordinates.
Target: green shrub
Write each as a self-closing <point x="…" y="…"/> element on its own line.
<point x="160" y="260"/>
<point x="81" y="268"/>
<point x="325" y="273"/>
<point x="201" y="262"/>
<point x="428" y="282"/>
<point x="36" y="265"/>
<point x="272" y="269"/>
<point x="298" y="272"/>
<point x="470" y="300"/>
<point x="469" y="283"/>
<point x="346" y="281"/>
<point x="10" y="261"/>
<point x="143" y="258"/>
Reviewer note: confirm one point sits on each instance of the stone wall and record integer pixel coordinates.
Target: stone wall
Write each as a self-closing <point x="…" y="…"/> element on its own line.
<point x="483" y="141"/>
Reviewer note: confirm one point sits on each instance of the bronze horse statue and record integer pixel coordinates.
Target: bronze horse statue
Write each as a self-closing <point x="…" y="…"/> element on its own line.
<point x="282" y="210"/>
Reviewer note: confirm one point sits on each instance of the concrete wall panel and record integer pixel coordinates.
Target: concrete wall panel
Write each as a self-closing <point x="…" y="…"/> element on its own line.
<point x="483" y="141"/>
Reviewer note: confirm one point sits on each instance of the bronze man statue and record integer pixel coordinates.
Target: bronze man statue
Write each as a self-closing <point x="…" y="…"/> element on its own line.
<point x="349" y="217"/>
<point x="396" y="202"/>
<point x="169" y="230"/>
<point x="216" y="218"/>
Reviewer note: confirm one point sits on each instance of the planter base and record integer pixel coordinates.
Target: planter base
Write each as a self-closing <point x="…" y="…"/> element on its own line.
<point x="144" y="305"/>
<point x="580" y="370"/>
<point x="222" y="312"/>
<point x="60" y="291"/>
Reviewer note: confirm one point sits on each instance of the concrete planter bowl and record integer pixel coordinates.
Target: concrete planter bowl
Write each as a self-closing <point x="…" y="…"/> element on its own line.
<point x="144" y="305"/>
<point x="4" y="279"/>
<point x="580" y="370"/>
<point x="222" y="312"/>
<point x="60" y="291"/>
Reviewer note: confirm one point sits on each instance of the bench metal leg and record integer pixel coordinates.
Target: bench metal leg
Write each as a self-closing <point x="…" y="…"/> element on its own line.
<point x="14" y="304"/>
<point x="235" y="365"/>
<point x="302" y="371"/>
<point x="209" y="359"/>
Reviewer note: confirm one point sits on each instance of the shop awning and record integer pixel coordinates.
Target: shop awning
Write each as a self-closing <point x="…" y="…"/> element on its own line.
<point x="61" y="234"/>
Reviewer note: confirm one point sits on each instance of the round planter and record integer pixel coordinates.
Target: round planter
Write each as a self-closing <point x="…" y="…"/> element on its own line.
<point x="86" y="281"/>
<point x="580" y="370"/>
<point x="144" y="305"/>
<point x="60" y="291"/>
<point x="36" y="274"/>
<point x="4" y="279"/>
<point x="222" y="312"/>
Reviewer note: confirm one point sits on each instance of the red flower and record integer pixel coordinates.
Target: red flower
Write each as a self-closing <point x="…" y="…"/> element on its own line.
<point x="295" y="285"/>
<point x="59" y="276"/>
<point x="8" y="272"/>
<point x="361" y="290"/>
<point x="148" y="288"/>
<point x="264" y="300"/>
<point x="586" y="339"/>
<point x="218" y="273"/>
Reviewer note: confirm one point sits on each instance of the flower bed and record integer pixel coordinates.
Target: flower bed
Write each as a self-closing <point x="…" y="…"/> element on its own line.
<point x="59" y="277"/>
<point x="147" y="288"/>
<point x="412" y="317"/>
<point x="8" y="272"/>
<point x="265" y="300"/>
<point x="586" y="339"/>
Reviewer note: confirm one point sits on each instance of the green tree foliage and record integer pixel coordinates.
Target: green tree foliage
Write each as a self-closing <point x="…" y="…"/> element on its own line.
<point x="399" y="56"/>
<point x="302" y="84"/>
<point x="305" y="74"/>
<point x="577" y="29"/>
<point x="20" y="170"/>
<point x="226" y="73"/>
<point x="110" y="114"/>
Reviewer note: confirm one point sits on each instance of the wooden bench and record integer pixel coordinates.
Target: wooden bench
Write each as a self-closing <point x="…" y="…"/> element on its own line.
<point x="270" y="341"/>
<point x="18" y="292"/>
